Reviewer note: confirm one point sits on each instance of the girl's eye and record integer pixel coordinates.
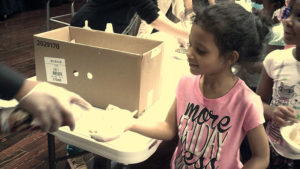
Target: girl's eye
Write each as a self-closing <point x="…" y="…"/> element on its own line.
<point x="201" y="52"/>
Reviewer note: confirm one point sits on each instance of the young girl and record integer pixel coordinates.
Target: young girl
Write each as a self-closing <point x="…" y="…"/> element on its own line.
<point x="280" y="86"/>
<point x="214" y="110"/>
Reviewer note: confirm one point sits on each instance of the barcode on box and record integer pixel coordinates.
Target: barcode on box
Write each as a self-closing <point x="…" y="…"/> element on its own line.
<point x="55" y="70"/>
<point x="57" y="73"/>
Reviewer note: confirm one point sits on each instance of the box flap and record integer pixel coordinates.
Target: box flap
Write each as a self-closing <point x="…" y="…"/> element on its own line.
<point x="60" y="34"/>
<point x="113" y="41"/>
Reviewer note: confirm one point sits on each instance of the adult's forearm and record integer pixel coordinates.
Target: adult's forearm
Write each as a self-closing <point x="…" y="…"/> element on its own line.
<point x="163" y="24"/>
<point x="10" y="82"/>
<point x="26" y="87"/>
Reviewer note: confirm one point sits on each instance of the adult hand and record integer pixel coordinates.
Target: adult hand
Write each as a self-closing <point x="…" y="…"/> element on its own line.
<point x="284" y="115"/>
<point x="51" y="106"/>
<point x="145" y="30"/>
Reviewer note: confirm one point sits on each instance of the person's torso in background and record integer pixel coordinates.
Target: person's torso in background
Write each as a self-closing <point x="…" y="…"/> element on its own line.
<point x="284" y="70"/>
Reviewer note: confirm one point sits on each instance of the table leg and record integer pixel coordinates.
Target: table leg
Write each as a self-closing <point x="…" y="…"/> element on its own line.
<point x="108" y="164"/>
<point x="48" y="15"/>
<point x="51" y="151"/>
<point x="125" y="167"/>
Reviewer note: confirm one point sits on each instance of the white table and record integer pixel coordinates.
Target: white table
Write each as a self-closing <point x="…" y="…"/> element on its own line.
<point x="131" y="147"/>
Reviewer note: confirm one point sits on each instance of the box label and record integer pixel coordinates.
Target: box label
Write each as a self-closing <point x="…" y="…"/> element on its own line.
<point x="55" y="70"/>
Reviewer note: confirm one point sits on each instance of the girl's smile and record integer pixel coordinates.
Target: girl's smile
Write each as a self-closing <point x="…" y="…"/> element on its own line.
<point x="289" y="35"/>
<point x="192" y="64"/>
<point x="292" y="25"/>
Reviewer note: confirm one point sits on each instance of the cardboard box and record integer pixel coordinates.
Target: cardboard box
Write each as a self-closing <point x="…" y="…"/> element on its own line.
<point x="104" y="68"/>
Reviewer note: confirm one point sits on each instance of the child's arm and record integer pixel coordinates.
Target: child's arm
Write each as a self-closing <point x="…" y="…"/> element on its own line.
<point x="259" y="146"/>
<point x="164" y="130"/>
<point x="283" y="115"/>
<point x="264" y="90"/>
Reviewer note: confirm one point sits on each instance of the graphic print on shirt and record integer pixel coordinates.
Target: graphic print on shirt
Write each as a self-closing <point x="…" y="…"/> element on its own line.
<point x="283" y="97"/>
<point x="284" y="94"/>
<point x="295" y="101"/>
<point x="202" y="135"/>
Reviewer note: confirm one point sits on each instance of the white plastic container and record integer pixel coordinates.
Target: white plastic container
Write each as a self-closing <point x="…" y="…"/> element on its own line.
<point x="290" y="134"/>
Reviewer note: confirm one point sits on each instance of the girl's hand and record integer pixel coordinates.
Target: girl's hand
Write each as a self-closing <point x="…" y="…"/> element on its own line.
<point x="284" y="115"/>
<point x="123" y="116"/>
<point x="111" y="125"/>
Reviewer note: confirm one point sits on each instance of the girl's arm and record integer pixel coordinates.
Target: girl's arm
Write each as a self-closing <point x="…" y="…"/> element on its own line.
<point x="164" y="130"/>
<point x="264" y="90"/>
<point x="259" y="146"/>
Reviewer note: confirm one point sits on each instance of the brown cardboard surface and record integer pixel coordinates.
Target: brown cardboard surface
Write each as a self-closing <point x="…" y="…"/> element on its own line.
<point x="125" y="70"/>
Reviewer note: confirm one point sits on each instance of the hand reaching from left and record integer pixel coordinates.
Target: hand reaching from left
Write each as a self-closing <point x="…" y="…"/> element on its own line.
<point x="14" y="120"/>
<point x="51" y="106"/>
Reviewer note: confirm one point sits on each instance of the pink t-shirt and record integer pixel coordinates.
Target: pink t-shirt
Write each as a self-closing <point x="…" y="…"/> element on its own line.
<point x="211" y="130"/>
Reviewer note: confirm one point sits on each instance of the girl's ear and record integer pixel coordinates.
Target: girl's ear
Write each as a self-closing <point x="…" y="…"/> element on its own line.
<point x="234" y="57"/>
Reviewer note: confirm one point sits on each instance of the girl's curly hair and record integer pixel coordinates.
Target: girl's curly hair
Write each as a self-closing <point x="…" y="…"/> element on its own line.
<point x="235" y="29"/>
